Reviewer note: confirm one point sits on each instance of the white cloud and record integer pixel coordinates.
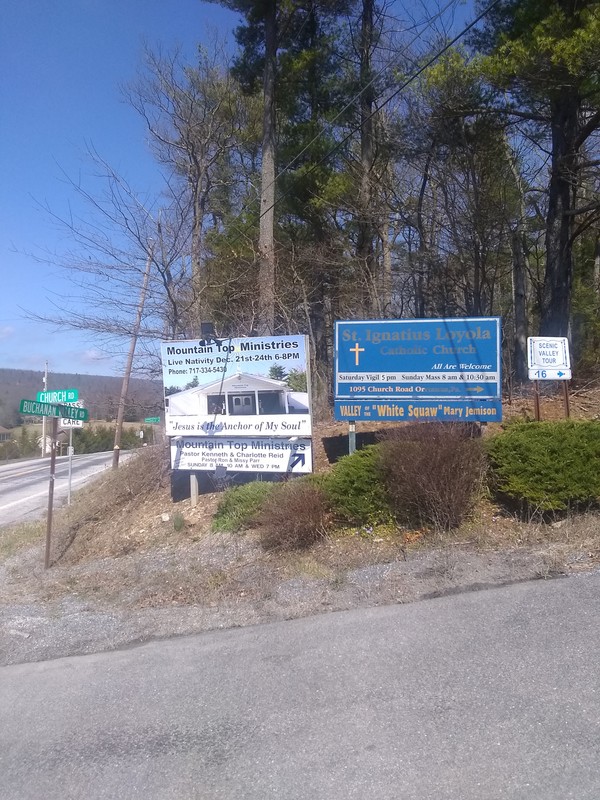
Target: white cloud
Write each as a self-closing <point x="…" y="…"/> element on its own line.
<point x="92" y="356"/>
<point x="6" y="332"/>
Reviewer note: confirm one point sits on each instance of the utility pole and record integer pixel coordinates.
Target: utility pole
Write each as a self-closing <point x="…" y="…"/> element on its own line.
<point x="129" y="365"/>
<point x="45" y="381"/>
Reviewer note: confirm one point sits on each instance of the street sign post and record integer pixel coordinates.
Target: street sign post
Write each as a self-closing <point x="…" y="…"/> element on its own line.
<point x="58" y="396"/>
<point x="40" y="409"/>
<point x="152" y="421"/>
<point x="66" y="413"/>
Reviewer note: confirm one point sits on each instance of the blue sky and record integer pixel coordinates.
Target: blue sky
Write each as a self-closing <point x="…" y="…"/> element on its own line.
<point x="62" y="63"/>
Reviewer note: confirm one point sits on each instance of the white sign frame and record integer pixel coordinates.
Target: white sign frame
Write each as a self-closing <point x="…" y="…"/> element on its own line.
<point x="204" y="379"/>
<point x="548" y="358"/>
<point x="241" y="454"/>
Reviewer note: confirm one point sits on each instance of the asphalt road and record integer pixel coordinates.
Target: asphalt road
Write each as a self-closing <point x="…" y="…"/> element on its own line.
<point x="484" y="696"/>
<point x="24" y="484"/>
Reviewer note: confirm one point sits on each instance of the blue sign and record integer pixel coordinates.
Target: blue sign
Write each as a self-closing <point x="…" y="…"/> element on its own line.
<point x="408" y="364"/>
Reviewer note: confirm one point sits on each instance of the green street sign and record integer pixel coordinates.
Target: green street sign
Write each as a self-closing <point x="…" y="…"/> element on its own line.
<point x="58" y="396"/>
<point x="152" y="420"/>
<point x="37" y="409"/>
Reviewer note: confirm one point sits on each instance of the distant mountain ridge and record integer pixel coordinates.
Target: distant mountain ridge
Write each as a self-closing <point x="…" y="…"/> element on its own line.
<point x="99" y="393"/>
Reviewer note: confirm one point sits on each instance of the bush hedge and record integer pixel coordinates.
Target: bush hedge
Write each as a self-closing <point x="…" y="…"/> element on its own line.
<point x="547" y="466"/>
<point x="293" y="516"/>
<point x="428" y="474"/>
<point x="100" y="438"/>
<point x="433" y="472"/>
<point x="239" y="505"/>
<point x="356" y="490"/>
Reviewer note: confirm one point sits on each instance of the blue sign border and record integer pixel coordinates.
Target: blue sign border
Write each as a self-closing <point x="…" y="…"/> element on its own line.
<point x="450" y="366"/>
<point x="418" y="410"/>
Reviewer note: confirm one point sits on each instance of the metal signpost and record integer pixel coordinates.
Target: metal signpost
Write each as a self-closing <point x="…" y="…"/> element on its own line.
<point x="549" y="360"/>
<point x="418" y="369"/>
<point x="70" y="424"/>
<point x="152" y="421"/>
<point x="38" y="408"/>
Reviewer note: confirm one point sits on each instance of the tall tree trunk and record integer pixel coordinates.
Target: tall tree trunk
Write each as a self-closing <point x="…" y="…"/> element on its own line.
<point x="423" y="251"/>
<point x="266" y="236"/>
<point x="520" y="269"/>
<point x="558" y="279"/>
<point x="366" y="228"/>
<point x="200" y="313"/>
<point x="385" y="300"/>
<point x="519" y="282"/>
<point x="597" y="267"/>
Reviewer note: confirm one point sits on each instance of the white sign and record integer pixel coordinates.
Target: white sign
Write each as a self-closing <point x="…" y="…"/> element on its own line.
<point x="548" y="358"/>
<point x="70" y="423"/>
<point x="296" y="425"/>
<point x="256" y="386"/>
<point x="242" y="454"/>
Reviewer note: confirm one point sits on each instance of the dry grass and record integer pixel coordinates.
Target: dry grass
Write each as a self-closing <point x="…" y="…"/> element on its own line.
<point x="293" y="517"/>
<point x="117" y="514"/>
<point x="14" y="538"/>
<point x="433" y="472"/>
<point x="120" y="546"/>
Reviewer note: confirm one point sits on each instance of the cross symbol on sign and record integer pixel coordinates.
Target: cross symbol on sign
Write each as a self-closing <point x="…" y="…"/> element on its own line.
<point x="356" y="350"/>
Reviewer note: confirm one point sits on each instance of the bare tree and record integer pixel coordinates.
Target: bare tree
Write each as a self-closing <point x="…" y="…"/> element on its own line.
<point x="195" y="118"/>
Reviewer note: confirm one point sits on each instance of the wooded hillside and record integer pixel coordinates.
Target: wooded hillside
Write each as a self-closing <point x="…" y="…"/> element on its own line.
<point x="99" y="393"/>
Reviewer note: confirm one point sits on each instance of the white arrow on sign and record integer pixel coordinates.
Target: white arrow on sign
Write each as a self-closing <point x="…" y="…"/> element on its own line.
<point x="238" y="454"/>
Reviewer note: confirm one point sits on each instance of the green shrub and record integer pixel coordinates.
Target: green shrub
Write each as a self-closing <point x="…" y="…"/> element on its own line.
<point x="293" y="516"/>
<point x="240" y="504"/>
<point x="355" y="488"/>
<point x="547" y="466"/>
<point x="99" y="438"/>
<point x="9" y="450"/>
<point x="433" y="472"/>
<point x="27" y="440"/>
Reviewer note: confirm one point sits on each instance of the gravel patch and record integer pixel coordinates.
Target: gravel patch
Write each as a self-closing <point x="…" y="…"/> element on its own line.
<point x="218" y="582"/>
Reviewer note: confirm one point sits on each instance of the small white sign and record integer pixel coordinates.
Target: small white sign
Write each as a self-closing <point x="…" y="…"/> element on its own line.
<point x="548" y="358"/>
<point x="70" y="423"/>
<point x="242" y="454"/>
